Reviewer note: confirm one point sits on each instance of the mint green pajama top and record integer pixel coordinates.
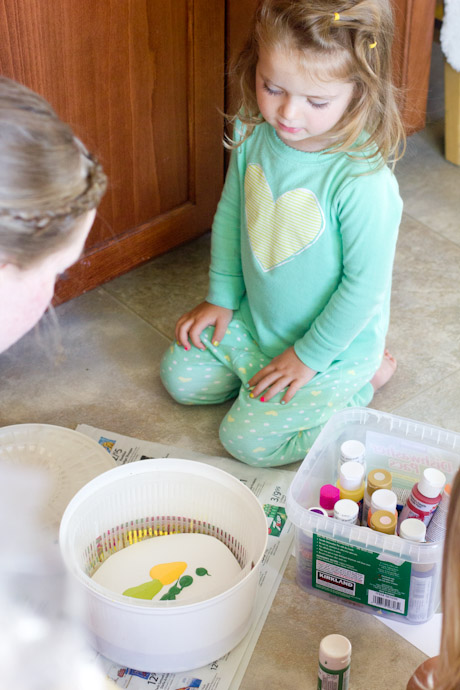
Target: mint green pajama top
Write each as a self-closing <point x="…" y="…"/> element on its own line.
<point x="303" y="247"/>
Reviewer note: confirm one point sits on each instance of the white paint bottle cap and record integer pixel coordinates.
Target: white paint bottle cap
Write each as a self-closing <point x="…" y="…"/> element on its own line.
<point x="335" y="652"/>
<point x="352" y="450"/>
<point x="432" y="482"/>
<point x="346" y="510"/>
<point x="351" y="475"/>
<point x="412" y="529"/>
<point x="383" y="499"/>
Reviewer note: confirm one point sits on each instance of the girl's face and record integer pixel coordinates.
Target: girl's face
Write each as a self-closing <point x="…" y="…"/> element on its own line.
<point x="26" y="293"/>
<point x="296" y="105"/>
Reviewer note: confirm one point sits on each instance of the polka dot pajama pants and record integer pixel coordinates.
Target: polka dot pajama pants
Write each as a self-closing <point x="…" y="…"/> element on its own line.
<point x="263" y="434"/>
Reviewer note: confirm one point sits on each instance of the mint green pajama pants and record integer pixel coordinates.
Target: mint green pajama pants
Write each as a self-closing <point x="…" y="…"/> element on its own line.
<point x="265" y="434"/>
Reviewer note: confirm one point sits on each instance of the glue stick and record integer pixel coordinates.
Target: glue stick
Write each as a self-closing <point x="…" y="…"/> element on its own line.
<point x="334" y="663"/>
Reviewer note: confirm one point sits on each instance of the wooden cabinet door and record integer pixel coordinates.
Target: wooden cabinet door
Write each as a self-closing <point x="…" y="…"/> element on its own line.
<point x="414" y="26"/>
<point x="141" y="82"/>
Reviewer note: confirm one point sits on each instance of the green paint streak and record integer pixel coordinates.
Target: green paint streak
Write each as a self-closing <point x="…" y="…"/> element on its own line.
<point x="145" y="591"/>
<point x="201" y="572"/>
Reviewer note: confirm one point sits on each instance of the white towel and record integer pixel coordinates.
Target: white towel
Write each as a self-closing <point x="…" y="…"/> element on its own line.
<point x="450" y="33"/>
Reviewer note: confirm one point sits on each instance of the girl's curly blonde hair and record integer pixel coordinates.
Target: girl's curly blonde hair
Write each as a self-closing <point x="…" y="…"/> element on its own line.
<point x="349" y="40"/>
<point x="47" y="177"/>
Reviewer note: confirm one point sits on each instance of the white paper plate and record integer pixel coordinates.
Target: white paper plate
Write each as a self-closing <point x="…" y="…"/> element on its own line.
<point x="68" y="458"/>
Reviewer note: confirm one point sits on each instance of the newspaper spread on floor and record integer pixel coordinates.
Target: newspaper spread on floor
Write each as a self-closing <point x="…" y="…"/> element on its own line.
<point x="270" y="487"/>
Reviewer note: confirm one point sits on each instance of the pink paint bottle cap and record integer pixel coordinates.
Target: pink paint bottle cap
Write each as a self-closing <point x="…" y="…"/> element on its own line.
<point x="432" y="482"/>
<point x="328" y="496"/>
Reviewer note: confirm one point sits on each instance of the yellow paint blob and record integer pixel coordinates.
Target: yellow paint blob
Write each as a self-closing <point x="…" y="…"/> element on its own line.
<point x="167" y="573"/>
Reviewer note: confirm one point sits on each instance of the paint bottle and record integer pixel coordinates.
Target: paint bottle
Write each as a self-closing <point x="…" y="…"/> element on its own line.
<point x="352" y="450"/>
<point x="412" y="530"/>
<point x="421" y="591"/>
<point x="318" y="510"/>
<point x="384" y="521"/>
<point x="328" y="497"/>
<point x="382" y="499"/>
<point x="334" y="663"/>
<point x="438" y="524"/>
<point x="425" y="496"/>
<point x="421" y="575"/>
<point x="376" y="479"/>
<point x="346" y="511"/>
<point x="351" y="483"/>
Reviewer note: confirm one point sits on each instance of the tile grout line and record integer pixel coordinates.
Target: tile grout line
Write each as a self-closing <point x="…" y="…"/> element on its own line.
<point x="430" y="229"/>
<point x="135" y="313"/>
<point x="425" y="390"/>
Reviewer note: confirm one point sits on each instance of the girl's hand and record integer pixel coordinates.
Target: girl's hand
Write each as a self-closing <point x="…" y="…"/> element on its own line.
<point x="191" y="324"/>
<point x="284" y="371"/>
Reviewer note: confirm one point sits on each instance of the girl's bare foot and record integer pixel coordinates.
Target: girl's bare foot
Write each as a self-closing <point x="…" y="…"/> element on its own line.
<point x="385" y="371"/>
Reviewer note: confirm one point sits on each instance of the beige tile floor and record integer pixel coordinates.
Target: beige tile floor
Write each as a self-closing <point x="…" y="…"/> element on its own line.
<point x="104" y="371"/>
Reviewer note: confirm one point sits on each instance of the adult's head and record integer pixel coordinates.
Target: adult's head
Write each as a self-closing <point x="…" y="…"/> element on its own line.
<point x="50" y="187"/>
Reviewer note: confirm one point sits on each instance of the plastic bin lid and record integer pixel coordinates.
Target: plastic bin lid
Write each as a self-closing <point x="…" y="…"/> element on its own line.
<point x="67" y="458"/>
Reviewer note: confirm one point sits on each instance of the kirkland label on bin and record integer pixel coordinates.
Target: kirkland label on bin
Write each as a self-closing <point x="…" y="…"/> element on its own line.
<point x="360" y="575"/>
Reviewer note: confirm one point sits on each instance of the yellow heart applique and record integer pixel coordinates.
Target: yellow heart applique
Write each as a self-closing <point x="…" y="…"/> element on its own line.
<point x="230" y="418"/>
<point x="242" y="369"/>
<point x="278" y="230"/>
<point x="316" y="392"/>
<point x="183" y="379"/>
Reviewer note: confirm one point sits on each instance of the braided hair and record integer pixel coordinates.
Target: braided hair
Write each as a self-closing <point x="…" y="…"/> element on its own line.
<point x="47" y="177"/>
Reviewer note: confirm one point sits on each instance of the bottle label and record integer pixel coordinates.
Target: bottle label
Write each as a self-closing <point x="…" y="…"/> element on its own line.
<point x="420" y="597"/>
<point x="333" y="680"/>
<point x="417" y="509"/>
<point x="421" y="506"/>
<point x="360" y="575"/>
<point x="438" y="526"/>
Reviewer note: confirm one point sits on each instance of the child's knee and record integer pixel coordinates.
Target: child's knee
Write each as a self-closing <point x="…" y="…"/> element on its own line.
<point x="170" y="374"/>
<point x="196" y="377"/>
<point x="251" y="446"/>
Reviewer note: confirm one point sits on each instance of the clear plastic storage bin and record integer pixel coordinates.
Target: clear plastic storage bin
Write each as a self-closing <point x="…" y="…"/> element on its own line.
<point x="353" y="565"/>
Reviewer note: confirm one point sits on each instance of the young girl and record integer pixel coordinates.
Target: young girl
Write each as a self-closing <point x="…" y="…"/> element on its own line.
<point x="443" y="672"/>
<point x="50" y="187"/>
<point x="304" y="236"/>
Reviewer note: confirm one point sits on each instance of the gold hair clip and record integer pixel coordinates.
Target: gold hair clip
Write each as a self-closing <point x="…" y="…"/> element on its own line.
<point x="336" y="16"/>
<point x="372" y="45"/>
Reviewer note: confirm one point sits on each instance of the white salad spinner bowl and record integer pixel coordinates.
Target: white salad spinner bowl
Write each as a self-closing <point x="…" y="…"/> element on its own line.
<point x="167" y="496"/>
